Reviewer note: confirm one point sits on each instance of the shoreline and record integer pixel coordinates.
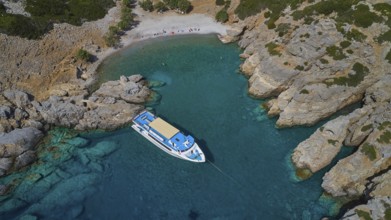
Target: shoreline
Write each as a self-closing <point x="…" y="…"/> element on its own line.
<point x="151" y="26"/>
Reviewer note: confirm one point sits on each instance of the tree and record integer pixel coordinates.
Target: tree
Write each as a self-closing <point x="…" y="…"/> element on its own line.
<point x="83" y="55"/>
<point x="127" y="3"/>
<point x="2" y="8"/>
<point x="220" y="2"/>
<point x="147" y="5"/>
<point x="172" y="4"/>
<point x="160" y="7"/>
<point x="184" y="6"/>
<point x="112" y="37"/>
<point x="222" y="16"/>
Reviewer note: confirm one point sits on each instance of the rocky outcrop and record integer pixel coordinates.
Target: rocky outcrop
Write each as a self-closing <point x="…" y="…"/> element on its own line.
<point x="296" y="65"/>
<point x="113" y="105"/>
<point x="36" y="65"/>
<point x="353" y="175"/>
<point x="321" y="147"/>
<point x="377" y="209"/>
<point x="17" y="148"/>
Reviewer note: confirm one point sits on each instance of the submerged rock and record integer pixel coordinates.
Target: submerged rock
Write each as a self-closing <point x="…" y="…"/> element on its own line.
<point x="68" y="193"/>
<point x="100" y="150"/>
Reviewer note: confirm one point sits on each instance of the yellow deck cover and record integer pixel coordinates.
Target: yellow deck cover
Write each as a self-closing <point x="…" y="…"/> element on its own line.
<point x="163" y="128"/>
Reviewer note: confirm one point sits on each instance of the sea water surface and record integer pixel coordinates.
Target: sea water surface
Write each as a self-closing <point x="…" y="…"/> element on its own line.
<point x="248" y="173"/>
<point x="120" y="175"/>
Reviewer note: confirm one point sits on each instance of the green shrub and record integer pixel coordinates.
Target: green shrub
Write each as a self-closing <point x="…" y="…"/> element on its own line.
<point x="385" y="138"/>
<point x="248" y="8"/>
<point x="271" y="48"/>
<point x="353" y="80"/>
<point x="356" y="35"/>
<point x="220" y="2"/>
<point x="366" y="127"/>
<point x="333" y="142"/>
<point x="361" y="16"/>
<point x="323" y="61"/>
<point x="335" y="52"/>
<point x="46" y="12"/>
<point x="345" y="44"/>
<point x="283" y="28"/>
<point x="126" y="19"/>
<point x="18" y="25"/>
<point x="308" y="20"/>
<point x="349" y="51"/>
<point x="363" y="214"/>
<point x="369" y="150"/>
<point x="387" y="214"/>
<point x="112" y="37"/>
<point x="304" y="91"/>
<point x="299" y="67"/>
<point x="184" y="6"/>
<point x="2" y="8"/>
<point x="386" y="36"/>
<point x="83" y="55"/>
<point x="267" y="14"/>
<point x="146" y="5"/>
<point x="271" y="24"/>
<point x="222" y="16"/>
<point x="384" y="125"/>
<point x="160" y="7"/>
<point x="127" y="3"/>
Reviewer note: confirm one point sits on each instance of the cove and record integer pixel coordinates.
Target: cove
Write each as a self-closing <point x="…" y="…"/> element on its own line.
<point x="250" y="174"/>
<point x="121" y="175"/>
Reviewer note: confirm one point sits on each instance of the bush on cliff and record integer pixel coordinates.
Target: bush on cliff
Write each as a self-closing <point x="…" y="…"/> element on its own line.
<point x="46" y="12"/>
<point x="222" y="16"/>
<point x="220" y="2"/>
<point x="248" y="8"/>
<point x="147" y="5"/>
<point x="181" y="5"/>
<point x="2" y="8"/>
<point x="160" y="7"/>
<point x="83" y="55"/>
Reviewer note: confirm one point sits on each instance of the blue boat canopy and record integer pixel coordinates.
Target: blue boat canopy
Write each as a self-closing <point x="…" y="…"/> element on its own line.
<point x="169" y="135"/>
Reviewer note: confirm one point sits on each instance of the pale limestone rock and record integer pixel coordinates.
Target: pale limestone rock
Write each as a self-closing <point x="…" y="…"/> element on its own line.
<point x="375" y="209"/>
<point x="350" y="176"/>
<point x="321" y="147"/>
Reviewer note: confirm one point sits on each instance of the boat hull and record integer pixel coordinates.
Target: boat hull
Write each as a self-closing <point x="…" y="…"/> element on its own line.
<point x="183" y="156"/>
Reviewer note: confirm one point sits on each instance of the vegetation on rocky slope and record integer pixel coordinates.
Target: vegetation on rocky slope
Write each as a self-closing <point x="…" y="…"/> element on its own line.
<point x="44" y="13"/>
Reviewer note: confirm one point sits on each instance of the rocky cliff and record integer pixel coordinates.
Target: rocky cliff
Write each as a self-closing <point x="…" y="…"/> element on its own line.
<point x="310" y="68"/>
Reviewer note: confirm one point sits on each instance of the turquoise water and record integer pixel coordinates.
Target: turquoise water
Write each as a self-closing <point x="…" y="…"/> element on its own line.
<point x="250" y="177"/>
<point x="120" y="175"/>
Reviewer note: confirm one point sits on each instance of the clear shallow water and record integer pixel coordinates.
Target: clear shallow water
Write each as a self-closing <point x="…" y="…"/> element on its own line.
<point x="120" y="175"/>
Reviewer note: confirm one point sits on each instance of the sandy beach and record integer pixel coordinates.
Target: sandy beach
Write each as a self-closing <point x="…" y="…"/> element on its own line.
<point x="153" y="25"/>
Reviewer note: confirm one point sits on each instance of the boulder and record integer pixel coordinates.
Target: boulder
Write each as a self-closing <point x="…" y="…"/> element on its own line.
<point x="18" y="141"/>
<point x="18" y="98"/>
<point x="25" y="159"/>
<point x="107" y="115"/>
<point x="59" y="111"/>
<point x="128" y="89"/>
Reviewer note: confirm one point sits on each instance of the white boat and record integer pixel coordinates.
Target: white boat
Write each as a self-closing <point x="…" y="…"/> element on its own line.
<point x="167" y="137"/>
